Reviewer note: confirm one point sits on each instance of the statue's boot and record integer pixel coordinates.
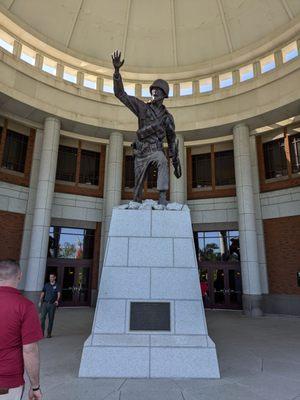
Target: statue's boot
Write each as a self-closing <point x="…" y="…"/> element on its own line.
<point x="162" y="198"/>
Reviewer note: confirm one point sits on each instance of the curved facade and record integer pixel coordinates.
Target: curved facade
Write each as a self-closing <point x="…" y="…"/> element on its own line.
<point x="66" y="161"/>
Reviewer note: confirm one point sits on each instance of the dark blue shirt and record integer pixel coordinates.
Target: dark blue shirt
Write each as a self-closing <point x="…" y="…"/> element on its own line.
<point x="51" y="292"/>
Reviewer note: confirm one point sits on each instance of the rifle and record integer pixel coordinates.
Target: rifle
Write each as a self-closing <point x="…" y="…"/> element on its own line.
<point x="176" y="161"/>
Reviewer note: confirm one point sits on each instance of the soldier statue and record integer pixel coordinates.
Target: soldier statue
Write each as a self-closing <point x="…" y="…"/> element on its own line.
<point x="155" y="123"/>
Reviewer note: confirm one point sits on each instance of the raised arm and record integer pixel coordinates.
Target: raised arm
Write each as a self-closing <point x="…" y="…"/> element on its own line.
<point x="130" y="102"/>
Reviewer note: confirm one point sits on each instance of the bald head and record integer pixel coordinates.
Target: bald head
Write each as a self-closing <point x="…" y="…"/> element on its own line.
<point x="10" y="273"/>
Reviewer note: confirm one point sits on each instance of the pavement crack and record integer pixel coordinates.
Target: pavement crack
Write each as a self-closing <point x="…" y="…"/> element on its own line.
<point x="121" y="384"/>
<point x="262" y="365"/>
<point x="183" y="398"/>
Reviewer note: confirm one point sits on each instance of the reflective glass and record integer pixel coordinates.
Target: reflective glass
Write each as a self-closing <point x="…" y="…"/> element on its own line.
<point x="75" y="243"/>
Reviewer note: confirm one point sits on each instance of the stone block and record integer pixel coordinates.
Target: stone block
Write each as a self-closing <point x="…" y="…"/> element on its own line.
<point x="179" y="340"/>
<point x="121" y="340"/>
<point x="144" y="252"/>
<point x="184" y="253"/>
<point x="175" y="283"/>
<point x="110" y="316"/>
<point x="171" y="224"/>
<point x="130" y="223"/>
<point x="183" y="363"/>
<point x="17" y="205"/>
<point x="4" y="203"/>
<point x="125" y="283"/>
<point x="189" y="318"/>
<point x="93" y="215"/>
<point x="115" y="362"/>
<point x="117" y="252"/>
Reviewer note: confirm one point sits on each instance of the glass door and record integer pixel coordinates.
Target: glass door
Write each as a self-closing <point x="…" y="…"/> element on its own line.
<point x="68" y="291"/>
<point x="82" y="285"/>
<point x="218" y="254"/>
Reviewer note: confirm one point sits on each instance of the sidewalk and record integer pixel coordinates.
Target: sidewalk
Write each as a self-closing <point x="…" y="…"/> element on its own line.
<point x="259" y="360"/>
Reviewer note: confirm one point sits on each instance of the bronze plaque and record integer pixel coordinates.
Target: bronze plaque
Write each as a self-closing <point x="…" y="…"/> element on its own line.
<point x="149" y="316"/>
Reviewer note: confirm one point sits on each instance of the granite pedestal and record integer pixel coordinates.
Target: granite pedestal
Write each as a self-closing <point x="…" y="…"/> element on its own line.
<point x="149" y="258"/>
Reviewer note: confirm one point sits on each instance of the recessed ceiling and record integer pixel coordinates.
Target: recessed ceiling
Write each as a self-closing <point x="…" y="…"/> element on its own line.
<point x="164" y="34"/>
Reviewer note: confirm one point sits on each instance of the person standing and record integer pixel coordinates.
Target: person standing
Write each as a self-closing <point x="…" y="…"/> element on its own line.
<point x="20" y="332"/>
<point x="49" y="300"/>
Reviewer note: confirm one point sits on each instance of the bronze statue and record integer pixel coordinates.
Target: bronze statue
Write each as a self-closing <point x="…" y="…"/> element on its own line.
<point x="155" y="123"/>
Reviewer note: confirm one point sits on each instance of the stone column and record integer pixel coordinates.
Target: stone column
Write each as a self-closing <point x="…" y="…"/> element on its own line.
<point x="247" y="227"/>
<point x="112" y="187"/>
<point x="35" y="166"/>
<point x="178" y="191"/>
<point x="42" y="211"/>
<point x="259" y="221"/>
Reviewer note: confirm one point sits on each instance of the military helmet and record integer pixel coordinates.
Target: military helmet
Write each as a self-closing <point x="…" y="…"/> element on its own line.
<point x="162" y="84"/>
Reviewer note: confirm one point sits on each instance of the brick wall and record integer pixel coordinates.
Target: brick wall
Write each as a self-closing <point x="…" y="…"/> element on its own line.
<point x="11" y="234"/>
<point x="282" y="239"/>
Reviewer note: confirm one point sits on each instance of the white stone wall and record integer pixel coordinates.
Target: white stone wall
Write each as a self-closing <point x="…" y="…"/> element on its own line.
<point x="280" y="203"/>
<point x="83" y="208"/>
<point x="223" y="209"/>
<point x="13" y="198"/>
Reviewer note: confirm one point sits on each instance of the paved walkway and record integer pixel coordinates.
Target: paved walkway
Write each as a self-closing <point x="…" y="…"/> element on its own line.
<point x="259" y="359"/>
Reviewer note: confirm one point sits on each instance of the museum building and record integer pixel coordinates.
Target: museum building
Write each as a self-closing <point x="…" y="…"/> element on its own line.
<point x="65" y="157"/>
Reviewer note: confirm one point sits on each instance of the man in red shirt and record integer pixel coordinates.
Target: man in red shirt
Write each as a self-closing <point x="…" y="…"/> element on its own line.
<point x="20" y="331"/>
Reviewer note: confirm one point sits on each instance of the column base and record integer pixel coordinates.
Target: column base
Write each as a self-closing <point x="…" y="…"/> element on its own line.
<point x="32" y="296"/>
<point x="252" y="305"/>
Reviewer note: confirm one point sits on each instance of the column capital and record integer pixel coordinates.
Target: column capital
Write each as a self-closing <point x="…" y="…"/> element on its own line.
<point x="240" y="125"/>
<point x="116" y="134"/>
<point x="52" y="118"/>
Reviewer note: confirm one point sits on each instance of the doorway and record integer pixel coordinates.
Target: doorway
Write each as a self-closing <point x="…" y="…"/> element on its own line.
<point x="74" y="278"/>
<point x="218" y="256"/>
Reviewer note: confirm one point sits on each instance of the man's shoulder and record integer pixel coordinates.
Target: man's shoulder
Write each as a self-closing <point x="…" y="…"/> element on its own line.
<point x="25" y="303"/>
<point x="46" y="285"/>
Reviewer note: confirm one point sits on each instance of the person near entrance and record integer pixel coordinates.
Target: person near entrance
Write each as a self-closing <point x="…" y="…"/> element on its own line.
<point x="20" y="332"/>
<point x="49" y="300"/>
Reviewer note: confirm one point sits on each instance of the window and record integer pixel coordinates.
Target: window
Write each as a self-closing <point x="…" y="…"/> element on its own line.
<point x="145" y="90"/>
<point x="75" y="243"/>
<point x="6" y="41"/>
<point x="267" y="63"/>
<point x="70" y="74"/>
<point x="275" y="159"/>
<point x="225" y="80"/>
<point x="15" y="150"/>
<point x="90" y="81"/>
<point x="66" y="163"/>
<point x="289" y="52"/>
<point x="171" y="91"/>
<point x="295" y="152"/>
<point x="205" y="85"/>
<point x="152" y="177"/>
<point x="129" y="172"/>
<point x="246" y="73"/>
<point x="89" y="167"/>
<point x="129" y="88"/>
<point x="219" y="246"/>
<point x="224" y="161"/>
<point x="201" y="170"/>
<point x="28" y="55"/>
<point x="108" y="86"/>
<point x="186" y="88"/>
<point x="49" y="66"/>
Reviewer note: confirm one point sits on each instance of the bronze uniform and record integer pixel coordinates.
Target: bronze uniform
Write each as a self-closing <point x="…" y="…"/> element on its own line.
<point x="154" y="125"/>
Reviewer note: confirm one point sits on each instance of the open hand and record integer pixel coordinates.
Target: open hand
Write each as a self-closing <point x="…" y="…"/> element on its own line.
<point x="116" y="60"/>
